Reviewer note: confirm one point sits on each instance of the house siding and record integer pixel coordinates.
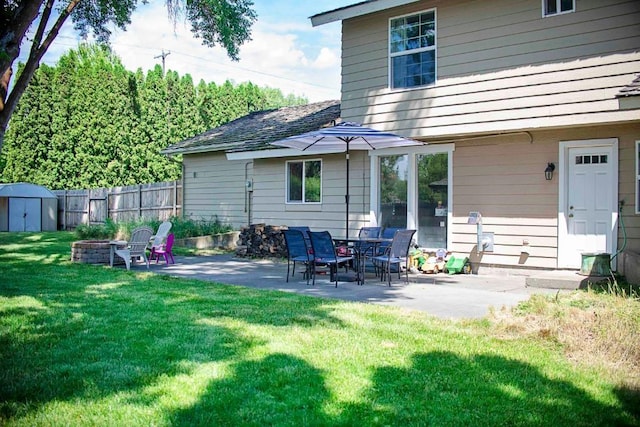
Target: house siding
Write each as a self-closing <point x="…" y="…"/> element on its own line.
<point x="270" y="207"/>
<point x="217" y="190"/>
<point x="501" y="66"/>
<point x="503" y="178"/>
<point x="510" y="86"/>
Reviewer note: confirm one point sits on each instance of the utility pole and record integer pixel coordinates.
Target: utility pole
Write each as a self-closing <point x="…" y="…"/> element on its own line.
<point x="163" y="55"/>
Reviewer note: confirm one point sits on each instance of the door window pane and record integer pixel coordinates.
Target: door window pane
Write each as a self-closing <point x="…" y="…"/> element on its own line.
<point x="433" y="190"/>
<point x="393" y="190"/>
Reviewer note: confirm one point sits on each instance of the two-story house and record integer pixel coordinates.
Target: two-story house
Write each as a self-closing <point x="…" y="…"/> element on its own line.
<point x="530" y="111"/>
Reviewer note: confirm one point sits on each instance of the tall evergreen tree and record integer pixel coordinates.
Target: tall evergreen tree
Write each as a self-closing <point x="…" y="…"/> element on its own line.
<point x="226" y="23"/>
<point x="88" y="122"/>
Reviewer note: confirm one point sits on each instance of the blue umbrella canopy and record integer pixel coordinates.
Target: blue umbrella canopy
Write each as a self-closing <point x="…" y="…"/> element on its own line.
<point x="343" y="137"/>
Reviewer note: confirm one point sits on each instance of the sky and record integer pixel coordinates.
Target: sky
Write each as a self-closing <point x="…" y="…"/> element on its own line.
<point x="286" y="51"/>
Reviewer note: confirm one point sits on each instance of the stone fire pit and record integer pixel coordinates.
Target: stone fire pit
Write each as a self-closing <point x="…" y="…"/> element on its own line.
<point x="93" y="252"/>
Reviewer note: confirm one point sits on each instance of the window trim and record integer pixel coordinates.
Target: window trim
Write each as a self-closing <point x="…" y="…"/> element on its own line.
<point x="637" y="190"/>
<point x="286" y="178"/>
<point x="391" y="55"/>
<point x="558" y="3"/>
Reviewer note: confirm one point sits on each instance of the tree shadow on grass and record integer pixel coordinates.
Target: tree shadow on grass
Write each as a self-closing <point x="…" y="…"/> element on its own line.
<point x="89" y="332"/>
<point x="279" y="390"/>
<point x="442" y="388"/>
<point x="439" y="388"/>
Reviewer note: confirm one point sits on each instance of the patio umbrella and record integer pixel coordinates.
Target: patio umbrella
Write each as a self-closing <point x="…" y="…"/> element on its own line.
<point x="343" y="137"/>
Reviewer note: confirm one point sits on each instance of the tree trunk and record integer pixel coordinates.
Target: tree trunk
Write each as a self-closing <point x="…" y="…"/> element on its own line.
<point x="16" y="27"/>
<point x="38" y="49"/>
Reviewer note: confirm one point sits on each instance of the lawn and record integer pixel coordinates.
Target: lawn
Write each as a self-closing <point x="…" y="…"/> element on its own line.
<point x="91" y="345"/>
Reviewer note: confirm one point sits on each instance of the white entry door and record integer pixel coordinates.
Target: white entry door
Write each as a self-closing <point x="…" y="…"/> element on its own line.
<point x="590" y="203"/>
<point x="24" y="214"/>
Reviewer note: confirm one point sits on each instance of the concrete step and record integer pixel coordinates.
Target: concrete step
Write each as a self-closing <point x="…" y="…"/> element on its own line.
<point x="570" y="280"/>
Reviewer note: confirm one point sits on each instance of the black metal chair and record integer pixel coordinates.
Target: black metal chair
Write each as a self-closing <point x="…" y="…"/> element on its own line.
<point x="364" y="248"/>
<point x="396" y="254"/>
<point x="297" y="251"/>
<point x="324" y="253"/>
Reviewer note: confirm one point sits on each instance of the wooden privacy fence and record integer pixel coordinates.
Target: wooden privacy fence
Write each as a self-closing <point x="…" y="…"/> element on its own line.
<point x="159" y="200"/>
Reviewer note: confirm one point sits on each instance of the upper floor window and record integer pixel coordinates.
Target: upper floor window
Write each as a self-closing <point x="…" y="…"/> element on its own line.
<point x="556" y="7"/>
<point x="412" y="50"/>
<point x="304" y="179"/>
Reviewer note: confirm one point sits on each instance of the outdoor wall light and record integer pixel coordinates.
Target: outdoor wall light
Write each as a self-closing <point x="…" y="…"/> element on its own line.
<point x="548" y="172"/>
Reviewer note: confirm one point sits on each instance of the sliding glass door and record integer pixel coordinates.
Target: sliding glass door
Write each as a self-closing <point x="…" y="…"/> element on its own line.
<point x="413" y="191"/>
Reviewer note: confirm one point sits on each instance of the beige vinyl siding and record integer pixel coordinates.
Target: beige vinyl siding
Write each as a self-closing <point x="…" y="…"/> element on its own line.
<point x="217" y="190"/>
<point x="501" y="67"/>
<point x="270" y="207"/>
<point x="503" y="178"/>
<point x="627" y="189"/>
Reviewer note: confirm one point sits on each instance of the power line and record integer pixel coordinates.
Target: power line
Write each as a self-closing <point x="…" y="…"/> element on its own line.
<point x="163" y="55"/>
<point x="219" y="64"/>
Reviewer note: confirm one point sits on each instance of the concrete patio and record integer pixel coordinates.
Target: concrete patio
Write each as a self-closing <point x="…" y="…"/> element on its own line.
<point x="442" y="295"/>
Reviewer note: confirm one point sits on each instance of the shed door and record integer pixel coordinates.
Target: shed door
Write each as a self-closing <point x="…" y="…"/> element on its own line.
<point x="25" y="214"/>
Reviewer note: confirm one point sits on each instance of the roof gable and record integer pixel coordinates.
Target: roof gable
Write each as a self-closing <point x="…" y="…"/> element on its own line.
<point x="257" y="130"/>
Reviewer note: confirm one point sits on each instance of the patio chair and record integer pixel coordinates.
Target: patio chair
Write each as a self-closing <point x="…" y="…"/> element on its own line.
<point x="136" y="247"/>
<point x="366" y="248"/>
<point x="159" y="238"/>
<point x="387" y="233"/>
<point x="165" y="250"/>
<point x="305" y="232"/>
<point x="396" y="254"/>
<point x="324" y="253"/>
<point x="297" y="251"/>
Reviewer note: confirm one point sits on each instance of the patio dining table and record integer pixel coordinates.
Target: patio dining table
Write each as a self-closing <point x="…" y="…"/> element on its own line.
<point x="361" y="247"/>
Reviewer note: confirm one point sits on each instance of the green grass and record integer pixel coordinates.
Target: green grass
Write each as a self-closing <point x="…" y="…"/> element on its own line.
<point x="92" y="345"/>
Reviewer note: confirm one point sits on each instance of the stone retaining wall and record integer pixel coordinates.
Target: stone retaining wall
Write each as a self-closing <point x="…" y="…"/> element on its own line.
<point x="93" y="252"/>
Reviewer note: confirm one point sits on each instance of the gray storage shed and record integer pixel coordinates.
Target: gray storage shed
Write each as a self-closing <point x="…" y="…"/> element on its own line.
<point x="27" y="207"/>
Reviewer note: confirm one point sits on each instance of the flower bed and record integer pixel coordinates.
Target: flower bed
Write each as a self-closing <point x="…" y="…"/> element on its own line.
<point x="93" y="252"/>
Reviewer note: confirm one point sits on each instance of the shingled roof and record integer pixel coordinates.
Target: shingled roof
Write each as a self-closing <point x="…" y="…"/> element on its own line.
<point x="257" y="130"/>
<point x="632" y="89"/>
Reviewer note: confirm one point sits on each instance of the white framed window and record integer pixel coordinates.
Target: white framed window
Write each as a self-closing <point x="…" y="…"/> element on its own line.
<point x="557" y="7"/>
<point x="637" y="177"/>
<point x="412" y="50"/>
<point x="304" y="181"/>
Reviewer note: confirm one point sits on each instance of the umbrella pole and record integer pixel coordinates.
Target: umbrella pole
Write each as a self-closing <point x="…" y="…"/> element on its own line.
<point x="346" y="197"/>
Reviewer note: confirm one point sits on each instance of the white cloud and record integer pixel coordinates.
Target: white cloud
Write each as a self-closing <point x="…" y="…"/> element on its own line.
<point x="285" y="52"/>
<point x="326" y="59"/>
<point x="277" y="56"/>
